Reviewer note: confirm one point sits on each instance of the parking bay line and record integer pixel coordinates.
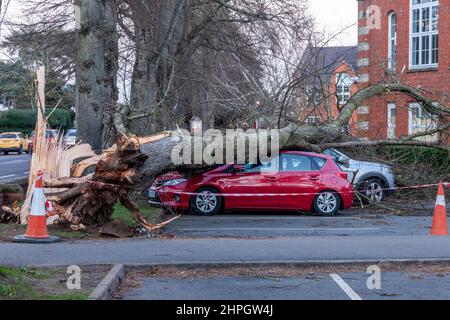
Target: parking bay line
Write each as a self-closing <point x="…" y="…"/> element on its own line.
<point x="345" y="287"/>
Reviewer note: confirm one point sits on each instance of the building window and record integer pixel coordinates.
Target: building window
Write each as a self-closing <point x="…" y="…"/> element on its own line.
<point x="424" y="51"/>
<point x="421" y="121"/>
<point x="391" y="120"/>
<point x="313" y="120"/>
<point x="343" y="85"/>
<point x="392" y="45"/>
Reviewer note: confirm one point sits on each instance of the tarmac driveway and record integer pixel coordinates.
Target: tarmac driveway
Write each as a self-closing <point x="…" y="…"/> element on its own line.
<point x="251" y="225"/>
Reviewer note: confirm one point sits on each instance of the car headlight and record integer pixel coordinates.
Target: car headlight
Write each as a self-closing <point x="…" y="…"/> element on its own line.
<point x="174" y="182"/>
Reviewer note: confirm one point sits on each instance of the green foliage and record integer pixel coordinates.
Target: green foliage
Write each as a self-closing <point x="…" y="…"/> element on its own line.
<point x="17" y="120"/>
<point x="438" y="159"/>
<point x="17" y="88"/>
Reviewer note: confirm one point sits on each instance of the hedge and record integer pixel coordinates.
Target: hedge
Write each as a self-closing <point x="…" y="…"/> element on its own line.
<point x="437" y="158"/>
<point x="17" y="120"/>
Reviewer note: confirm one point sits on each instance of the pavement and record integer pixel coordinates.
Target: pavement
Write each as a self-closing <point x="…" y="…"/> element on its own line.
<point x="14" y="167"/>
<point x="212" y="250"/>
<point x="318" y="286"/>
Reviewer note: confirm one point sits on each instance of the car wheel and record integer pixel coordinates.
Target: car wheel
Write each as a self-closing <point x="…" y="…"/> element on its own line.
<point x="206" y="202"/>
<point x="327" y="203"/>
<point x="20" y="151"/>
<point x="5" y="153"/>
<point x="373" y="191"/>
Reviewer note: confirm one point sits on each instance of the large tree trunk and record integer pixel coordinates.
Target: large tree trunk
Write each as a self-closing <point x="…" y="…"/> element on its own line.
<point x="96" y="71"/>
<point x="158" y="31"/>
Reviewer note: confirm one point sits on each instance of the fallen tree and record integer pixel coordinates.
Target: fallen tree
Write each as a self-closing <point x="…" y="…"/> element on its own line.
<point x="89" y="200"/>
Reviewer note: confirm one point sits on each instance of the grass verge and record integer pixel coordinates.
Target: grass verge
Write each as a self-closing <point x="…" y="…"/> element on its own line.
<point x="46" y="283"/>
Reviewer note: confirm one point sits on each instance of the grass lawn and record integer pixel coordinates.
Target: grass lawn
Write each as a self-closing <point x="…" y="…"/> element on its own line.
<point x="7" y="231"/>
<point x="47" y="284"/>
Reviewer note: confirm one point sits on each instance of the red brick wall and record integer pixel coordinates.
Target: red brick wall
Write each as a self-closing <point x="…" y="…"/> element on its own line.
<point x="436" y="81"/>
<point x="320" y="111"/>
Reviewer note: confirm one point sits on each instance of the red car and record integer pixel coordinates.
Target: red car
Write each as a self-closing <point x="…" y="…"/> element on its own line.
<point x="305" y="181"/>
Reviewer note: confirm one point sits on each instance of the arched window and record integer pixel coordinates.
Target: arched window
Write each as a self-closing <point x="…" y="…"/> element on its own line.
<point x="392" y="45"/>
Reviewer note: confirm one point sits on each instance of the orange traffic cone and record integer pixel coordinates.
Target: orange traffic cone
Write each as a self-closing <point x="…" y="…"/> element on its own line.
<point x="37" y="220"/>
<point x="440" y="227"/>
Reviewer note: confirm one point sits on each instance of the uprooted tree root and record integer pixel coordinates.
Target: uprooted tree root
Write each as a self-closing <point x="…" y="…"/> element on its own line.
<point x="89" y="200"/>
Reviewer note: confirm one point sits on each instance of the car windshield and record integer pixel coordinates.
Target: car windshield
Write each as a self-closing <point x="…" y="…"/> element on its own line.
<point x="71" y="134"/>
<point x="8" y="136"/>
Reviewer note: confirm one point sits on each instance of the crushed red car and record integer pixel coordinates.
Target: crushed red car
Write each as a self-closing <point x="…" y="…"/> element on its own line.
<point x="304" y="181"/>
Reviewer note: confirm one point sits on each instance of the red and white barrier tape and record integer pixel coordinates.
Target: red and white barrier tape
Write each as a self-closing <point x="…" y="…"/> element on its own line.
<point x="421" y="186"/>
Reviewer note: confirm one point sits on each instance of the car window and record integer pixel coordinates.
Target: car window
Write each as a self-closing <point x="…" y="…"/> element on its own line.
<point x="332" y="153"/>
<point x="21" y="136"/>
<point x="71" y="134"/>
<point x="262" y="167"/>
<point x="8" y="136"/>
<point x="294" y="162"/>
<point x="320" y="162"/>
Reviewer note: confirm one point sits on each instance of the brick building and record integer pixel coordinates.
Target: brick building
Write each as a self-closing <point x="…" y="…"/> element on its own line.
<point x="411" y="39"/>
<point x="330" y="75"/>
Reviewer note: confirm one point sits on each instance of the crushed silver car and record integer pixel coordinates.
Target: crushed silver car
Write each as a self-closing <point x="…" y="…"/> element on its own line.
<point x="373" y="180"/>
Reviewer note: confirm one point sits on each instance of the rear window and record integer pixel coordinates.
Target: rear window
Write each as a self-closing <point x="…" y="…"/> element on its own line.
<point x="320" y="162"/>
<point x="293" y="162"/>
<point x="8" y="136"/>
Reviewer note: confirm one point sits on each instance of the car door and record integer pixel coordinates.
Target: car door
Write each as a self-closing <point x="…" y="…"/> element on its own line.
<point x="299" y="181"/>
<point x="253" y="188"/>
<point x="23" y="142"/>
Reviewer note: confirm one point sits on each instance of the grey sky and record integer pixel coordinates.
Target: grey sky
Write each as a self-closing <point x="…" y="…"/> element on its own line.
<point x="331" y="16"/>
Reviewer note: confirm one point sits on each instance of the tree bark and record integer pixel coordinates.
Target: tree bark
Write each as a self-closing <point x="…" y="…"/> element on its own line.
<point x="96" y="72"/>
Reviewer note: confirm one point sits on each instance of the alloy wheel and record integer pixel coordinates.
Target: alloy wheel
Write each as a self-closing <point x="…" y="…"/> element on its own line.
<point x="206" y="201"/>
<point x="327" y="202"/>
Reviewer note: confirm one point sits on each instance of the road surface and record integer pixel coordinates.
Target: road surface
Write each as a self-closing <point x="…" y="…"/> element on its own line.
<point x="14" y="166"/>
<point x="314" y="286"/>
<point x="226" y="250"/>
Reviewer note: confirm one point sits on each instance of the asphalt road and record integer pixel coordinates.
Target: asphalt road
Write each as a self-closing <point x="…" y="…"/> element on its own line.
<point x="317" y="286"/>
<point x="14" y="166"/>
<point x="295" y="225"/>
<point x="226" y="250"/>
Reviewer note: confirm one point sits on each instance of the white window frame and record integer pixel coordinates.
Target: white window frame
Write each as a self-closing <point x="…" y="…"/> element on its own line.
<point x="422" y="126"/>
<point x="392" y="126"/>
<point x="392" y="38"/>
<point x="430" y="33"/>
<point x="345" y="82"/>
<point x="313" y="120"/>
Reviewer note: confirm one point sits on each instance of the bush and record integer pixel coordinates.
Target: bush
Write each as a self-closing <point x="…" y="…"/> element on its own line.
<point x="438" y="159"/>
<point x="24" y="121"/>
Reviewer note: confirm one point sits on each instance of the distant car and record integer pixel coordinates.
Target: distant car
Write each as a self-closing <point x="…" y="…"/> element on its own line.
<point x="13" y="142"/>
<point x="70" y="138"/>
<point x="304" y="181"/>
<point x="373" y="180"/>
<point x="50" y="135"/>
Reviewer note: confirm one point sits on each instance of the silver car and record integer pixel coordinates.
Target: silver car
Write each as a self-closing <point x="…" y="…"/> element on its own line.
<point x="373" y="180"/>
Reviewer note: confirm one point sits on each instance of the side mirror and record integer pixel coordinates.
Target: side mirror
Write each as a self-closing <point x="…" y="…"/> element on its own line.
<point x="238" y="168"/>
<point x="342" y="160"/>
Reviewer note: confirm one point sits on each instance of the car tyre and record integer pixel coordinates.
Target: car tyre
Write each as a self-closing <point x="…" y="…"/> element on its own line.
<point x="327" y="203"/>
<point x="372" y="191"/>
<point x="206" y="202"/>
<point x="20" y="151"/>
<point x="5" y="153"/>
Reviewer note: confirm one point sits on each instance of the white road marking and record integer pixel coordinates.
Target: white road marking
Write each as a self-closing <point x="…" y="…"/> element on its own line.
<point x="9" y="176"/>
<point x="345" y="287"/>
